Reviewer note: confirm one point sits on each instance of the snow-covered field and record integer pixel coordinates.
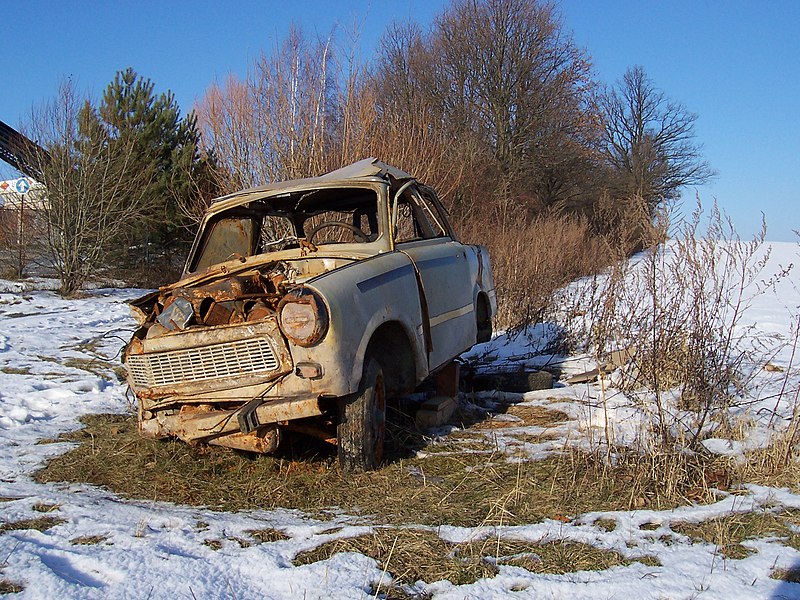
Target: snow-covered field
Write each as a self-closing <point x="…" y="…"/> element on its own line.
<point x="53" y="369"/>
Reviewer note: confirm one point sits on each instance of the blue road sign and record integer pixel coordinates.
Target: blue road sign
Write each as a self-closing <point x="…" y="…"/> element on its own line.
<point x="22" y="185"/>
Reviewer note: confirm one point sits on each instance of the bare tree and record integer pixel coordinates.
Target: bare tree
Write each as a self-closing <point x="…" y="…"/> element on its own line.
<point x="492" y="101"/>
<point x="510" y="93"/>
<point x="407" y="128"/>
<point x="277" y="123"/>
<point x="649" y="141"/>
<point x="95" y="189"/>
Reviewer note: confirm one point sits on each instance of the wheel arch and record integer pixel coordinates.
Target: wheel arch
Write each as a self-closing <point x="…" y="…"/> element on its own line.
<point x="391" y="344"/>
<point x="483" y="316"/>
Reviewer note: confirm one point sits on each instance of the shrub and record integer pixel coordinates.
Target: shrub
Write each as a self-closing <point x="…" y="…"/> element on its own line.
<point x="533" y="259"/>
<point x="677" y="311"/>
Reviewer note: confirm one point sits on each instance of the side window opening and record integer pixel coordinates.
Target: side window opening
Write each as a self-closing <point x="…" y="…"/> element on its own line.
<point x="417" y="218"/>
<point x="433" y="212"/>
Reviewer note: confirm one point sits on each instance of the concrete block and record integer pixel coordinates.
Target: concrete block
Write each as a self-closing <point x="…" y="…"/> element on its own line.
<point x="435" y="412"/>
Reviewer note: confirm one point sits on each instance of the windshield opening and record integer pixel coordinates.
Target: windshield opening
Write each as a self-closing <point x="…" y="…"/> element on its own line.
<point x="228" y="238"/>
<point x="320" y="217"/>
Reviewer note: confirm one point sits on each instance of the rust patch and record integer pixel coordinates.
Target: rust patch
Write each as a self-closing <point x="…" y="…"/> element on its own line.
<point x="263" y="441"/>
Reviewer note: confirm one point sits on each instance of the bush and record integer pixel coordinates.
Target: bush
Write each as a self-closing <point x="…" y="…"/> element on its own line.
<point x="677" y="313"/>
<point x="533" y="259"/>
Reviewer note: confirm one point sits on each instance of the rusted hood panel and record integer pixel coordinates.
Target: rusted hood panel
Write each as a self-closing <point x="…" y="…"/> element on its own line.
<point x="211" y="335"/>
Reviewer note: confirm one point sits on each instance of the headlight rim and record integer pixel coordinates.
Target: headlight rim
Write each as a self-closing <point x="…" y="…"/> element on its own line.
<point x="306" y="296"/>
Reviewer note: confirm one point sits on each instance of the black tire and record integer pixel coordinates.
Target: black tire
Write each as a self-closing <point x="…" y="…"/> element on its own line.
<point x="361" y="431"/>
<point x="525" y="382"/>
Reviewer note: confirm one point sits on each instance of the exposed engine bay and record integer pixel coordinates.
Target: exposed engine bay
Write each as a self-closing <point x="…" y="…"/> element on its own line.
<point x="248" y="297"/>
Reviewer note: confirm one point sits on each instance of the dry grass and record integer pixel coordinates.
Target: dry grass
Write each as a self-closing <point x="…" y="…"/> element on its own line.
<point x="556" y="557"/>
<point x="606" y="524"/>
<point x="88" y="540"/>
<point x="213" y="544"/>
<point x="459" y="488"/>
<point x="408" y="555"/>
<point x="537" y="415"/>
<point x="446" y="484"/>
<point x="9" y="587"/>
<point x="728" y="533"/>
<point x="411" y="555"/>
<point x="791" y="575"/>
<point x="525" y="416"/>
<point x="530" y="438"/>
<point x="774" y="466"/>
<point x="39" y="524"/>
<point x="266" y="536"/>
<point x="540" y="257"/>
<point x="15" y="370"/>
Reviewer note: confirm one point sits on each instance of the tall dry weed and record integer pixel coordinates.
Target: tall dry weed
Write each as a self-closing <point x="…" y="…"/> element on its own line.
<point x="533" y="259"/>
<point x="677" y="311"/>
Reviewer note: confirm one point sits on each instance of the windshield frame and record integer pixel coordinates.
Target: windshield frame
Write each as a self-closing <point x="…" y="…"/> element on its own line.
<point x="297" y="206"/>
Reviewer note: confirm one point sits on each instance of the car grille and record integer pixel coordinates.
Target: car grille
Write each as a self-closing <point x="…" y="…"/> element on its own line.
<point x="200" y="364"/>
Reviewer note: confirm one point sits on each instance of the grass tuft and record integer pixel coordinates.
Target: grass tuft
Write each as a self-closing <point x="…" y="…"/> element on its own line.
<point x="555" y="557"/>
<point x="266" y="536"/>
<point x="15" y="370"/>
<point x="410" y="555"/>
<point x="9" y="587"/>
<point x="606" y="524"/>
<point x="39" y="524"/>
<point x="728" y="533"/>
<point x="791" y="575"/>
<point x="88" y="540"/>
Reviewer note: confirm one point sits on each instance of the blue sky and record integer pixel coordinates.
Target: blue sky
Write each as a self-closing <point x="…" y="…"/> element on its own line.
<point x="736" y="64"/>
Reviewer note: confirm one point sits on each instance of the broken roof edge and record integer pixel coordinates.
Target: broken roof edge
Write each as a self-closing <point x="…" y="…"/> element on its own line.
<point x="363" y="169"/>
<point x="367" y="167"/>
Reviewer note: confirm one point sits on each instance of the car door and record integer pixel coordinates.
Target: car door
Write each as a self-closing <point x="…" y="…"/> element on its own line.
<point x="442" y="267"/>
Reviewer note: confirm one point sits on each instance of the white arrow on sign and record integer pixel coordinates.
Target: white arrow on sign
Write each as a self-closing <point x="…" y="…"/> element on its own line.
<point x="22" y="185"/>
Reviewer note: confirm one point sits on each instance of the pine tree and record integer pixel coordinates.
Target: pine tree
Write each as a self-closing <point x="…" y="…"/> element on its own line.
<point x="167" y="158"/>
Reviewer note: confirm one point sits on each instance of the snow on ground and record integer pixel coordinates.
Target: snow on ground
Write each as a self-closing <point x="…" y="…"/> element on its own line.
<point x="53" y="369"/>
<point x="773" y="308"/>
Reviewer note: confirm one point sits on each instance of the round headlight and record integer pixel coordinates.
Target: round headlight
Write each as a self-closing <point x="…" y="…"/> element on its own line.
<point x="303" y="317"/>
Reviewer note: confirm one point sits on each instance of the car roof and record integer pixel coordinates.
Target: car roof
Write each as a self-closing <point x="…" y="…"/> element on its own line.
<point x="368" y="169"/>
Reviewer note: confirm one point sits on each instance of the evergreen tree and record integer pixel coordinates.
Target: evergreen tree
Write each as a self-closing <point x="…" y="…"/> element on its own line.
<point x="167" y="159"/>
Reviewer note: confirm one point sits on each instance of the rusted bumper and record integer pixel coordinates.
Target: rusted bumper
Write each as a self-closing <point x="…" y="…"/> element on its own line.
<point x="214" y="426"/>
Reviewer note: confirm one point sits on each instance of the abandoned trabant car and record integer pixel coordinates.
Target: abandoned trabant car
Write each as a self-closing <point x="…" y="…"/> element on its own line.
<point x="302" y="306"/>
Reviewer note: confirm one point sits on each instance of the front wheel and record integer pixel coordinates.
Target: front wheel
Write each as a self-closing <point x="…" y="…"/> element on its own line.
<point x="361" y="430"/>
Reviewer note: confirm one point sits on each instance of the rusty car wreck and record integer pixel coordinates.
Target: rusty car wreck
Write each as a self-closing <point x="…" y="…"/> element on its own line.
<point x="303" y="305"/>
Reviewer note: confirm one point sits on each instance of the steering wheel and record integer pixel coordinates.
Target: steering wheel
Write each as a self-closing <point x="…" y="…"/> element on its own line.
<point x="358" y="234"/>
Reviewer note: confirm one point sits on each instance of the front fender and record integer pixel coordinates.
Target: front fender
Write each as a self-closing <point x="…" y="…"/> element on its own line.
<point x="362" y="297"/>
